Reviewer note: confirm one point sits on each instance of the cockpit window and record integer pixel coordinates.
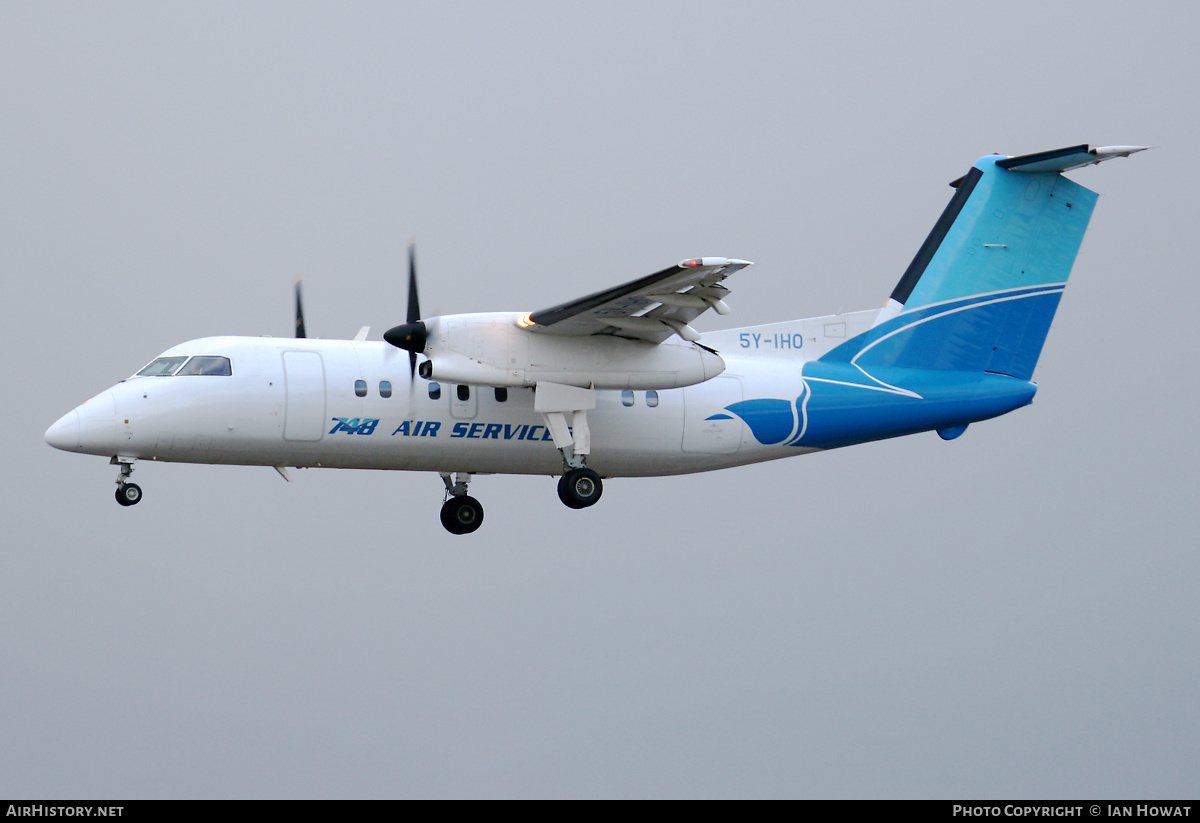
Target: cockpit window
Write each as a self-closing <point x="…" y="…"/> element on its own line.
<point x="162" y="367"/>
<point x="207" y="364"/>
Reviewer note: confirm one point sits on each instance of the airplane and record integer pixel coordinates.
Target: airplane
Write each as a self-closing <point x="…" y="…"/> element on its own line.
<point x="619" y="383"/>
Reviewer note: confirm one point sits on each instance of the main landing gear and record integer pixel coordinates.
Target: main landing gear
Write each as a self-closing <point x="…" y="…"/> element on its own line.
<point x="580" y="488"/>
<point x="461" y="513"/>
<point x="128" y="494"/>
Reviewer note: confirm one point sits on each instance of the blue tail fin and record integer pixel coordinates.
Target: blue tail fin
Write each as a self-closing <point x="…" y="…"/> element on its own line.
<point x="983" y="288"/>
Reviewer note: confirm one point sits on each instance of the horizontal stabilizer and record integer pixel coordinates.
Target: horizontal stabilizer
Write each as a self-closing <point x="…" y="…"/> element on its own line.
<point x="1074" y="157"/>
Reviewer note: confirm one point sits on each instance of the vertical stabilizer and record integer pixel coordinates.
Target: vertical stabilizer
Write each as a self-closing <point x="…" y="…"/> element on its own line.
<point x="982" y="290"/>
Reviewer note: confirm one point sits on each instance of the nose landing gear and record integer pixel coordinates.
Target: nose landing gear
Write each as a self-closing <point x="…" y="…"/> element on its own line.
<point x="128" y="494"/>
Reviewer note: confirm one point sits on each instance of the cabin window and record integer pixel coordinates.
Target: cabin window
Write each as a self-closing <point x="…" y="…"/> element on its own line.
<point x="652" y="398"/>
<point x="207" y="364"/>
<point x="627" y="397"/>
<point x="501" y="394"/>
<point x="162" y="367"/>
<point x="464" y="393"/>
<point x="385" y="388"/>
<point x="360" y="388"/>
<point x="435" y="391"/>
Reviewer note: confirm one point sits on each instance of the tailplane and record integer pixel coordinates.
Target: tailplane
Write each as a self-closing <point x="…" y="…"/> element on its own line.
<point x="982" y="290"/>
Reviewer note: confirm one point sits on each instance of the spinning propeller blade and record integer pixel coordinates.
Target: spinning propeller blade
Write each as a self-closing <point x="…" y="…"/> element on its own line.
<point x="299" y="312"/>
<point x="414" y="303"/>
<point x="413" y="334"/>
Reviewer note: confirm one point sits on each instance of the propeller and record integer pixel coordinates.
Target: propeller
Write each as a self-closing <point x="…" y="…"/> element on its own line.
<point x="299" y="312"/>
<point x="413" y="334"/>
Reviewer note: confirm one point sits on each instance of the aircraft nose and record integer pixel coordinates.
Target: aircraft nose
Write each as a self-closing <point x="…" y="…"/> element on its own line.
<point x="89" y="429"/>
<point x="64" y="434"/>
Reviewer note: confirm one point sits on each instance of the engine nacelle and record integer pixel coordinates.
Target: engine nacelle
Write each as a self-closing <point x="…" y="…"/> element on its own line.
<point x="492" y="350"/>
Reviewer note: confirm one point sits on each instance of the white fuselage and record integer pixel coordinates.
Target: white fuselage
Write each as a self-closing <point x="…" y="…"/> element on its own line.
<point x="310" y="402"/>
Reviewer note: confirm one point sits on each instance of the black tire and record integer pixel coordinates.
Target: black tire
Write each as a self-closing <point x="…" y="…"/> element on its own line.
<point x="129" y="494"/>
<point x="462" y="515"/>
<point x="580" y="488"/>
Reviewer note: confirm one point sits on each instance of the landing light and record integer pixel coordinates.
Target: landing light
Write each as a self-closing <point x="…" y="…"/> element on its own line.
<point x="525" y="321"/>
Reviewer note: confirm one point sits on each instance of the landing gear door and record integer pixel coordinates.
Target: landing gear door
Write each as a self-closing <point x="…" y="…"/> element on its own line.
<point x="304" y="412"/>
<point x="707" y="427"/>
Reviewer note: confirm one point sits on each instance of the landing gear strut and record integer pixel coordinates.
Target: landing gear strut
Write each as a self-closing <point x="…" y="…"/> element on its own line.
<point x="461" y="513"/>
<point x="128" y="494"/>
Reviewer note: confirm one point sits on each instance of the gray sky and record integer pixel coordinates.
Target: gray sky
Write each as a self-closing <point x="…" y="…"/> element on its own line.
<point x="1010" y="614"/>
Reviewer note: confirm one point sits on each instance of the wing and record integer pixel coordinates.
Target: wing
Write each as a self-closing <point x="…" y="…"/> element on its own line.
<point x="651" y="308"/>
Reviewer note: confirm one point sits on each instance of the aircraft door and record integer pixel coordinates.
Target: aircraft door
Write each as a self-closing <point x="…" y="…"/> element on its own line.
<point x="304" y="411"/>
<point x="707" y="427"/>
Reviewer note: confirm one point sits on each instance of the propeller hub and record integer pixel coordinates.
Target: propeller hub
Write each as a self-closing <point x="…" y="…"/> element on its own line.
<point x="408" y="336"/>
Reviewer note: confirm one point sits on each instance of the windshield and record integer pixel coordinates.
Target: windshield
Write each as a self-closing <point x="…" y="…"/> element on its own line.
<point x="162" y="367"/>
<point x="200" y="364"/>
<point x="207" y="364"/>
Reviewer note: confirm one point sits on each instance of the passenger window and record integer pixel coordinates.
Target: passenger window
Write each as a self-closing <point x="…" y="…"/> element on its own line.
<point x="652" y="398"/>
<point x="207" y="365"/>
<point x="162" y="367"/>
<point x="385" y="388"/>
<point x="464" y="393"/>
<point x="501" y="395"/>
<point x="627" y="397"/>
<point x="360" y="388"/>
<point x="435" y="391"/>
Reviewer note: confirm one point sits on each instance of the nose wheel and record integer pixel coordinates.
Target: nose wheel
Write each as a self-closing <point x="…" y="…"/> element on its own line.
<point x="128" y="494"/>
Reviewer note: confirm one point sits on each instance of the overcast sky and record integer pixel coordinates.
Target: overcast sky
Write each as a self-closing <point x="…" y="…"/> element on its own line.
<point x="1010" y="614"/>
